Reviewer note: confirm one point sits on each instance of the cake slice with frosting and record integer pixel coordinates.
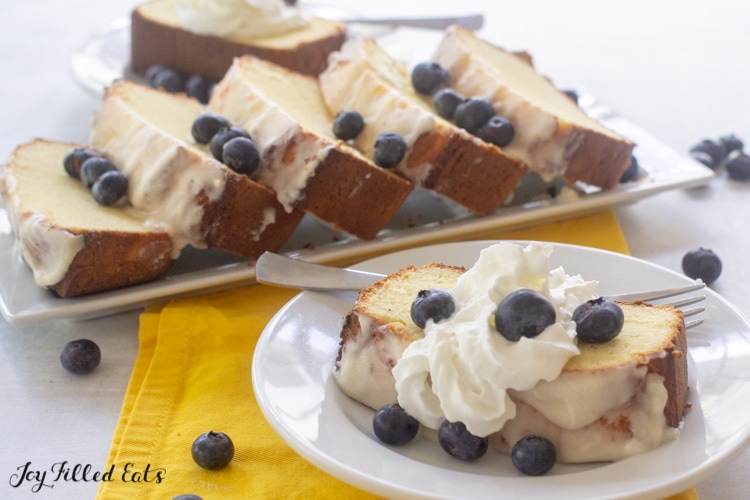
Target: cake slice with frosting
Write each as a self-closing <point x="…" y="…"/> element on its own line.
<point x="595" y="402"/>
<point x="73" y="245"/>
<point x="302" y="161"/>
<point x="553" y="136"/>
<point x="177" y="182"/>
<point x="441" y="157"/>
<point x="203" y="37"/>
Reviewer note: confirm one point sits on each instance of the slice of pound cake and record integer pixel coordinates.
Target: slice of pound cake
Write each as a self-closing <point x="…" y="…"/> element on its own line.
<point x="302" y="161"/>
<point x="593" y="401"/>
<point x="553" y="136"/>
<point x="177" y="182"/>
<point x="202" y="38"/>
<point x="438" y="155"/>
<point x="74" y="245"/>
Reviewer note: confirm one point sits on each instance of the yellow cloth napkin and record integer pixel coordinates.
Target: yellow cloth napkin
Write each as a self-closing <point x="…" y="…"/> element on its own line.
<point x="192" y="375"/>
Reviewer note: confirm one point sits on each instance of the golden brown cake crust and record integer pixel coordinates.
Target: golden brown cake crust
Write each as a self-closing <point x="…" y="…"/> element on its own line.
<point x="110" y="258"/>
<point x="211" y="56"/>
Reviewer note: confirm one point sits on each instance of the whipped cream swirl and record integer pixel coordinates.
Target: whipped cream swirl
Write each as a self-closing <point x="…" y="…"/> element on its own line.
<point x="463" y="368"/>
<point x="246" y="18"/>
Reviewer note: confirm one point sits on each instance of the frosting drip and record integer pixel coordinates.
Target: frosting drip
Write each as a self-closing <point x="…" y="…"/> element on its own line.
<point x="247" y="18"/>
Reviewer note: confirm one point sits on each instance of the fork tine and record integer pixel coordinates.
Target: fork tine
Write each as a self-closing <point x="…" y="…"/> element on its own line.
<point x="657" y="294"/>
<point x="692" y="323"/>
<point x="693" y="311"/>
<point x="686" y="302"/>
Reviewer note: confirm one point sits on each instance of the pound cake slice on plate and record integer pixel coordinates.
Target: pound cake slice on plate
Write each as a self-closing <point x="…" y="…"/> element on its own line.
<point x="302" y="161"/>
<point x="595" y="402"/>
<point x="553" y="136"/>
<point x="176" y="181"/>
<point x="439" y="156"/>
<point x="202" y="38"/>
<point x="74" y="245"/>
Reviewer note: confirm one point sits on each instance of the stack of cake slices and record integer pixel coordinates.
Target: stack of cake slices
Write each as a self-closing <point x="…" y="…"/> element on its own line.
<point x="180" y="194"/>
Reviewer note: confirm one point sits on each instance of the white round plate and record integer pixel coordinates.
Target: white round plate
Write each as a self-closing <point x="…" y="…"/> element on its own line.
<point x="294" y="388"/>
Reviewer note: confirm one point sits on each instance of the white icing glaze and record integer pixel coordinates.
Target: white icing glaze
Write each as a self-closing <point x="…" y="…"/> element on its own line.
<point x="361" y="76"/>
<point x="463" y="369"/>
<point x="47" y="250"/>
<point x="289" y="155"/>
<point x="166" y="175"/>
<point x="246" y="18"/>
<point x="538" y="140"/>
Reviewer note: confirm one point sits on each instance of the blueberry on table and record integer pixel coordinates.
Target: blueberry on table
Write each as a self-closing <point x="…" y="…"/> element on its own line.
<point x="222" y="136"/>
<point x="702" y="264"/>
<point x="598" y="320"/>
<point x="206" y="125"/>
<point x="523" y="313"/>
<point x="75" y="158"/>
<point x="199" y="87"/>
<point x="630" y="173"/>
<point x="572" y="94"/>
<point x="93" y="168"/>
<point x="498" y="131"/>
<point x="347" y="125"/>
<point x="435" y="304"/>
<point x="392" y="425"/>
<point x="212" y="450"/>
<point x="738" y="167"/>
<point x="712" y="148"/>
<point x="80" y="356"/>
<point x="459" y="443"/>
<point x="473" y="113"/>
<point x="446" y="101"/>
<point x="109" y="188"/>
<point x="428" y="77"/>
<point x="730" y="143"/>
<point x="241" y="155"/>
<point x="389" y="150"/>
<point x="534" y="455"/>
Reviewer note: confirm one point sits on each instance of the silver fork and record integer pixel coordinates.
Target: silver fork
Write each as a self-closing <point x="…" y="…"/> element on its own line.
<point x="279" y="270"/>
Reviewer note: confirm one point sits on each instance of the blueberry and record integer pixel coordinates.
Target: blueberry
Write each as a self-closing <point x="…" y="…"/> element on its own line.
<point x="169" y="79"/>
<point x="206" y="125"/>
<point x="212" y="450"/>
<point x="199" y="87"/>
<point x="347" y="125"/>
<point x="75" y="158"/>
<point x="222" y="136"/>
<point x="738" y="167"/>
<point x="712" y="148"/>
<point x="459" y="443"/>
<point x="702" y="264"/>
<point x="704" y="158"/>
<point x="731" y="142"/>
<point x="523" y="313"/>
<point x="630" y="173"/>
<point x="109" y="187"/>
<point x="151" y="73"/>
<point x="446" y="101"/>
<point x="534" y="455"/>
<point x="241" y="155"/>
<point x="435" y="304"/>
<point x="498" y="131"/>
<point x="572" y="94"/>
<point x="80" y="356"/>
<point x="389" y="150"/>
<point x="187" y="496"/>
<point x="473" y="113"/>
<point x="392" y="425"/>
<point x="93" y="168"/>
<point x="598" y="320"/>
<point x="428" y="77"/>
